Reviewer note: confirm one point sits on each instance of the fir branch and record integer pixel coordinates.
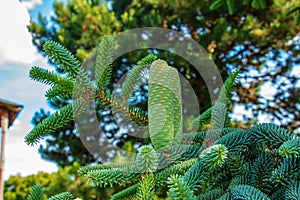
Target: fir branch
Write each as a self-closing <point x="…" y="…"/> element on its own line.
<point x="197" y="176"/>
<point x="62" y="196"/>
<point x="68" y="62"/>
<point x="270" y="134"/>
<point x="104" y="59"/>
<point x="211" y="194"/>
<point x="225" y="94"/>
<point x="290" y="148"/>
<point x="203" y="119"/>
<point x="209" y="160"/>
<point x="239" y="180"/>
<point x="146" y="159"/>
<point x="214" y="156"/>
<point x="126" y="192"/>
<point x="36" y="193"/>
<point x="279" y="194"/>
<point x="134" y="77"/>
<point x="226" y="196"/>
<point x="177" y="153"/>
<point x="50" y="78"/>
<point x="218" y="115"/>
<point x="235" y="163"/>
<point x="287" y="172"/>
<point x="83" y="171"/>
<point x="224" y="97"/>
<point x="261" y="172"/>
<point x="235" y="140"/>
<point x="221" y="178"/>
<point x="136" y="114"/>
<point x="105" y="77"/>
<point x="59" y="92"/>
<point x="55" y="121"/>
<point x="247" y="192"/>
<point x="293" y="191"/>
<point x="146" y="189"/>
<point x="120" y="176"/>
<point x="161" y="177"/>
<point x="184" y="152"/>
<point x="193" y="138"/>
<point x="178" y="189"/>
<point x="63" y="57"/>
<point x="199" y="137"/>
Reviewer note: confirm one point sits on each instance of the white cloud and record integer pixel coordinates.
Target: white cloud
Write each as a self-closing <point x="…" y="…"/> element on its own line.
<point x="29" y="4"/>
<point x="15" y="43"/>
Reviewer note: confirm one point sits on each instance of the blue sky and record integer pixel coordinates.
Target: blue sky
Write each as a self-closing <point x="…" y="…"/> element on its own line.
<point x="17" y="56"/>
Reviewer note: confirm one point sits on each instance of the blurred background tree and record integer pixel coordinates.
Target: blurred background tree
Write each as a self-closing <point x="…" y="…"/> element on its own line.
<point x="65" y="179"/>
<point x="260" y="37"/>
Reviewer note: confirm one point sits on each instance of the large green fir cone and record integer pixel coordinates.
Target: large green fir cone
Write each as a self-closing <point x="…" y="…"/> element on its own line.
<point x="164" y="104"/>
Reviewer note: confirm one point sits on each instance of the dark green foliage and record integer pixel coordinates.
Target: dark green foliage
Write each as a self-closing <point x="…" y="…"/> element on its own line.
<point x="231" y="7"/>
<point x="286" y="172"/>
<point x="270" y="134"/>
<point x="293" y="191"/>
<point x="290" y="148"/>
<point x="57" y="120"/>
<point x="262" y="170"/>
<point x="279" y="194"/>
<point x="247" y="192"/>
<point x="212" y="194"/>
<point x="235" y="140"/>
<point x="236" y="166"/>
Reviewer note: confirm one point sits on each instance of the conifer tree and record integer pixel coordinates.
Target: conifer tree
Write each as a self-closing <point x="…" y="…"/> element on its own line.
<point x="246" y="34"/>
<point x="216" y="163"/>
